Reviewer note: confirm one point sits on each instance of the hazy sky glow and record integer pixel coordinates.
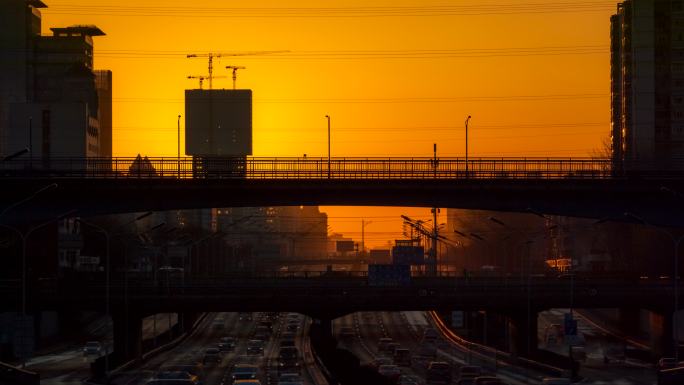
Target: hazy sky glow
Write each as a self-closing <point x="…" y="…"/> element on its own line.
<point x="396" y="76"/>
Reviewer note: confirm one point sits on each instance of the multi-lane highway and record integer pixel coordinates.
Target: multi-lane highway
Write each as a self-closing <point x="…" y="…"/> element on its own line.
<point x="70" y="367"/>
<point x="361" y="333"/>
<point x="605" y="360"/>
<point x="66" y="364"/>
<point x="243" y="328"/>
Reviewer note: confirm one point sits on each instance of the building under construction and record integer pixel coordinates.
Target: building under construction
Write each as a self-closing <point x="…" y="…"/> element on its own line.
<point x="218" y="131"/>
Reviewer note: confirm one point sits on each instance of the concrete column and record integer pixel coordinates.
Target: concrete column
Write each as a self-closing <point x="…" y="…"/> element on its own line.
<point x="629" y="321"/>
<point x="523" y="333"/>
<point x="127" y="337"/>
<point x="186" y="320"/>
<point x="661" y="335"/>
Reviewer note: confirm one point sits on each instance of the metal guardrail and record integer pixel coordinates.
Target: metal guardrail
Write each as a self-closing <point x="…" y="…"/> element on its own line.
<point x="315" y="168"/>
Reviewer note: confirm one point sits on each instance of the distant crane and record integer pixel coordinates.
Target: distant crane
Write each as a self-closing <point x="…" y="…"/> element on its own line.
<point x="202" y="78"/>
<point x="235" y="70"/>
<point x="211" y="57"/>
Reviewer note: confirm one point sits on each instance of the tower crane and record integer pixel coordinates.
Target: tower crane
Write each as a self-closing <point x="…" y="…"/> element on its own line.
<point x="202" y="78"/>
<point x="235" y="70"/>
<point x="210" y="56"/>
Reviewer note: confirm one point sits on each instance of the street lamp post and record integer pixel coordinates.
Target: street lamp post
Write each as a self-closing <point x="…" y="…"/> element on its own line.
<point x="107" y="237"/>
<point x="179" y="168"/>
<point x="49" y="187"/>
<point x="30" y="146"/>
<point x="364" y="223"/>
<point x="328" y="117"/>
<point x="105" y="233"/>
<point x="466" y="144"/>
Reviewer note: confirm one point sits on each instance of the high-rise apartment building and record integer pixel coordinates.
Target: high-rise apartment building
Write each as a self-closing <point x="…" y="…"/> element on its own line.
<point x="52" y="101"/>
<point x="647" y="85"/>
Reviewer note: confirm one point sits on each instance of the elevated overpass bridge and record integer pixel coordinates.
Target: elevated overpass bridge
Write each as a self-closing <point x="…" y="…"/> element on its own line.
<point x="582" y="187"/>
<point x="326" y="296"/>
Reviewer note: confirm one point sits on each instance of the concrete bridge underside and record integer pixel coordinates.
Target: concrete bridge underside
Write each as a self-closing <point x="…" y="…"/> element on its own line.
<point x="658" y="201"/>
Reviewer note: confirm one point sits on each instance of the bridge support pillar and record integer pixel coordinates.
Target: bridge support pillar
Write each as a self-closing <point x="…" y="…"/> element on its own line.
<point x="629" y="320"/>
<point x="523" y="333"/>
<point x="186" y="320"/>
<point x="127" y="337"/>
<point x="661" y="334"/>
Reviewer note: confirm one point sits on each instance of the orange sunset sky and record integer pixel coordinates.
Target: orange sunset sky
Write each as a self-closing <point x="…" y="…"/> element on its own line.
<point x="395" y="76"/>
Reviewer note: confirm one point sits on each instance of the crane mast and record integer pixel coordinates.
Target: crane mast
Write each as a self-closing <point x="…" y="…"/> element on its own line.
<point x="210" y="56"/>
<point x="235" y="70"/>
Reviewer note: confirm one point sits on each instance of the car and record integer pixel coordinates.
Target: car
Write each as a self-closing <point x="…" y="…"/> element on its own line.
<point x="255" y="347"/>
<point x="390" y="371"/>
<point x="219" y="323"/>
<point x="427" y="352"/>
<point x="211" y="356"/>
<point x="290" y="377"/>
<point x="245" y="316"/>
<point x="614" y="355"/>
<point x="268" y="325"/>
<point x="226" y="344"/>
<point x="407" y="379"/>
<point x="247" y="382"/>
<point x="667" y="363"/>
<point x="379" y="361"/>
<point x="469" y="371"/>
<point x="466" y="381"/>
<point x="556" y="381"/>
<point x="244" y="372"/>
<point x="487" y="380"/>
<point x="292" y="326"/>
<point x="579" y="353"/>
<point x="288" y="360"/>
<point x="439" y="373"/>
<point x="402" y="357"/>
<point x="430" y="335"/>
<point x="383" y="342"/>
<point x="194" y="369"/>
<point x="93" y="348"/>
<point x="170" y="382"/>
<point x="176" y="375"/>
<point x="262" y="333"/>
<point x="391" y="347"/>
<point x="347" y="332"/>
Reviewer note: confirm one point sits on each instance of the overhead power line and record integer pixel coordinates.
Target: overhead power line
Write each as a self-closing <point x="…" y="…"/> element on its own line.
<point x="336" y="12"/>
<point x="502" y="98"/>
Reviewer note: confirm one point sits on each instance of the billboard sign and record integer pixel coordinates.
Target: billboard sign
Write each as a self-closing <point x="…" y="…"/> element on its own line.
<point x="389" y="275"/>
<point x="408" y="255"/>
<point x="457" y="319"/>
<point x="345" y="246"/>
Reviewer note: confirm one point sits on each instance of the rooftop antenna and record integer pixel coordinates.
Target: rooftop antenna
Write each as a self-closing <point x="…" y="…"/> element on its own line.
<point x="235" y="70"/>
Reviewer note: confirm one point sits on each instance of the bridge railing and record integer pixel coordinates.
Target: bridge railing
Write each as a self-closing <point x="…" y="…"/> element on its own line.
<point x="307" y="168"/>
